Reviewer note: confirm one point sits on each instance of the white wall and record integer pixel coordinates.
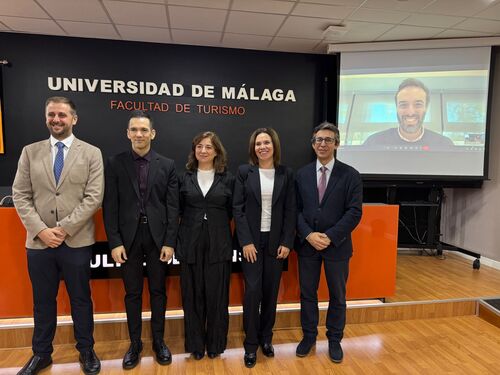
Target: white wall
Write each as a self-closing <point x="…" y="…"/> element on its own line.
<point x="471" y="217"/>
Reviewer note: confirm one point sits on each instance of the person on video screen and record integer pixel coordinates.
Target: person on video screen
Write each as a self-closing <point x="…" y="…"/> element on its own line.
<point x="412" y="101"/>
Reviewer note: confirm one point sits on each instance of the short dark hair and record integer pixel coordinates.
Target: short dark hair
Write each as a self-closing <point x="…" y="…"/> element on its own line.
<point x="140" y="114"/>
<point x="63" y="100"/>
<point x="254" y="160"/>
<point x="413" y="82"/>
<point x="220" y="161"/>
<point x="327" y="126"/>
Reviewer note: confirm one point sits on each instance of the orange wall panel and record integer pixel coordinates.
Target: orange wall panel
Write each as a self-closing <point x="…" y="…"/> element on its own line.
<point x="372" y="268"/>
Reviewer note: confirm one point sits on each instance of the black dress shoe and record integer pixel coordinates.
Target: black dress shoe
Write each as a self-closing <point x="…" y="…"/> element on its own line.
<point x="89" y="362"/>
<point x="198" y="355"/>
<point x="268" y="350"/>
<point x="132" y="356"/>
<point x="304" y="347"/>
<point x="163" y="355"/>
<point x="212" y="355"/>
<point x="335" y="352"/>
<point x="35" y="364"/>
<point x="250" y="359"/>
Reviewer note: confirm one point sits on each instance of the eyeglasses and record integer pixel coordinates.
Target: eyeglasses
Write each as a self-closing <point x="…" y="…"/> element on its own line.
<point x="320" y="140"/>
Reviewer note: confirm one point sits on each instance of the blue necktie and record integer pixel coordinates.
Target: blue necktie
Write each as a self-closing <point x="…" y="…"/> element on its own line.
<point x="59" y="162"/>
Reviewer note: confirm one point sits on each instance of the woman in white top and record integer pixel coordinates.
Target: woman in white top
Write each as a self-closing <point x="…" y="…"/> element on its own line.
<point x="264" y="211"/>
<point x="204" y="246"/>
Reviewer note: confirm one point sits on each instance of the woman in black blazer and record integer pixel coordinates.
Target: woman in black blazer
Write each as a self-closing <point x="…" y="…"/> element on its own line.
<point x="264" y="213"/>
<point x="204" y="246"/>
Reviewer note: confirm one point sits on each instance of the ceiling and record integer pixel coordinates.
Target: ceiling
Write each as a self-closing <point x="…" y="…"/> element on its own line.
<point x="275" y="25"/>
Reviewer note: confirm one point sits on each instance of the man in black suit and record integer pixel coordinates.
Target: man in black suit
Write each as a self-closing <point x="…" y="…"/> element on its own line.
<point x="141" y="207"/>
<point x="329" y="198"/>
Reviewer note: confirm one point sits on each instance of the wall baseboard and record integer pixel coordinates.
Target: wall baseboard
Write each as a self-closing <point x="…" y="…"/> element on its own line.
<point x="484" y="261"/>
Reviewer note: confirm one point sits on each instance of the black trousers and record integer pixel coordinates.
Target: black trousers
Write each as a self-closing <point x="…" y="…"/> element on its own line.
<point x="144" y="249"/>
<point x="262" y="281"/>
<point x="205" y="300"/>
<point x="336" y="277"/>
<point x="45" y="269"/>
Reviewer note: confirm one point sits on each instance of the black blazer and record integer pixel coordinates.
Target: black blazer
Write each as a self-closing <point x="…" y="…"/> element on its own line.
<point x="337" y="215"/>
<point x="247" y="208"/>
<point x="121" y="205"/>
<point x="193" y="207"/>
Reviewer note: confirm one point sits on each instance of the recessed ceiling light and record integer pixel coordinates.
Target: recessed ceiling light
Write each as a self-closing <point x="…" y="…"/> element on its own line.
<point x="335" y="30"/>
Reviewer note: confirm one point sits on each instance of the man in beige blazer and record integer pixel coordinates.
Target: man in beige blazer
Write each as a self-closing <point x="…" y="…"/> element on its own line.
<point x="58" y="187"/>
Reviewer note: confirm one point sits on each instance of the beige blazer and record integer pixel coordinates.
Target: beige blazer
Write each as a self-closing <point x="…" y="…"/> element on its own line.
<point x="72" y="203"/>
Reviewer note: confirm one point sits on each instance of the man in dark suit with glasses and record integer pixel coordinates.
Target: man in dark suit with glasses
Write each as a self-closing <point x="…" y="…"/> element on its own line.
<point x="329" y="198"/>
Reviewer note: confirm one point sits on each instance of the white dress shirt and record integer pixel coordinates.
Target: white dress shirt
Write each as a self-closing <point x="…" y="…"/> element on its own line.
<point x="205" y="180"/>
<point x="266" y="191"/>
<point x="67" y="144"/>
<point x="328" y="165"/>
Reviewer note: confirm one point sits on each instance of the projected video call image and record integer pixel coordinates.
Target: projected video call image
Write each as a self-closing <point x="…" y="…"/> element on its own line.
<point x="415" y="112"/>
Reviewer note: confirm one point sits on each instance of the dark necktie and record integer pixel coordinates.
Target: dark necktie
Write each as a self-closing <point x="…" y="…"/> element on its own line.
<point x="59" y="161"/>
<point x="322" y="183"/>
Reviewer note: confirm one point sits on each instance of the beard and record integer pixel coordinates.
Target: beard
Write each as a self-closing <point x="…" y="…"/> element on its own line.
<point x="412" y="128"/>
<point x="62" y="130"/>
